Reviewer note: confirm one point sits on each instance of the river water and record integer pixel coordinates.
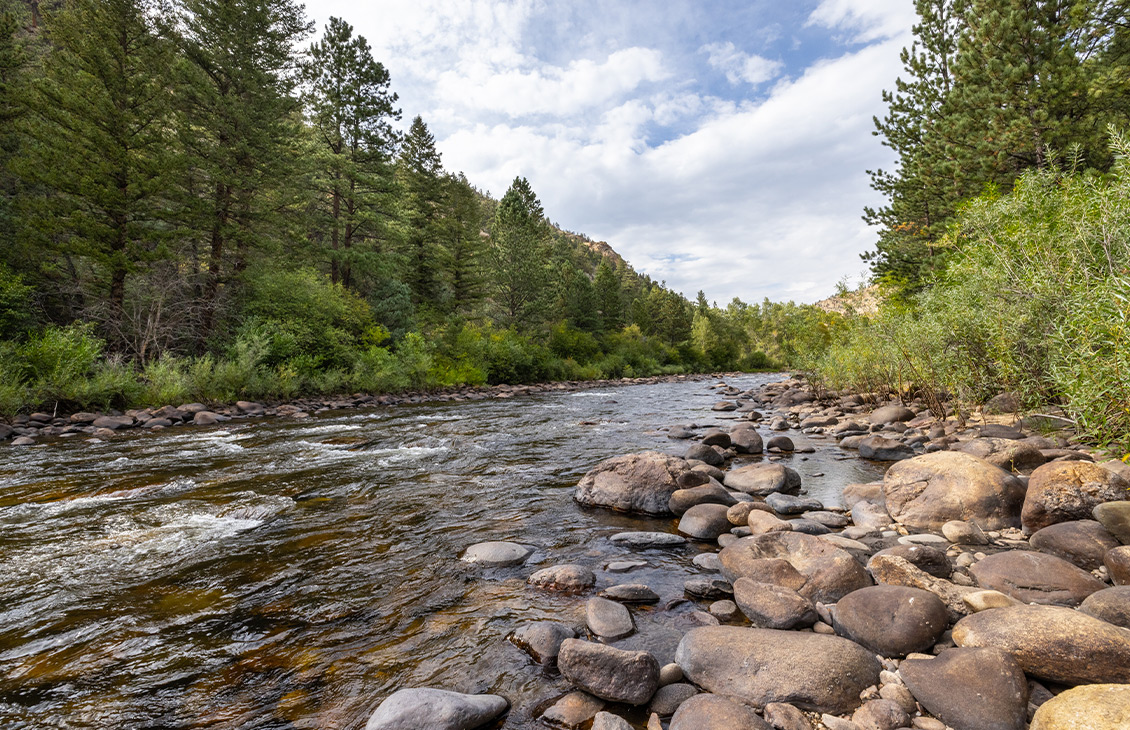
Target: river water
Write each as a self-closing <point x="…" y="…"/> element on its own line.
<point x="291" y="574"/>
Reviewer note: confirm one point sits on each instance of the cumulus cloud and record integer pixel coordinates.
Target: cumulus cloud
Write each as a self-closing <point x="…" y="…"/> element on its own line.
<point x="739" y="66"/>
<point x="865" y="20"/>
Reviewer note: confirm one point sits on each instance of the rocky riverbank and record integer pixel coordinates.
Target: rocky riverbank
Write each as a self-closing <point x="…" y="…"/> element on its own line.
<point x="26" y="430"/>
<point x="983" y="584"/>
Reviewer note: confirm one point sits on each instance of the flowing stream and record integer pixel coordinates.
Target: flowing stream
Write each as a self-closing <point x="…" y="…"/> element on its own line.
<point x="275" y="573"/>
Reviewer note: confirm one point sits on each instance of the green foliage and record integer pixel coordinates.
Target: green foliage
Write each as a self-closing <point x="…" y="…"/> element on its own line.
<point x="15" y="309"/>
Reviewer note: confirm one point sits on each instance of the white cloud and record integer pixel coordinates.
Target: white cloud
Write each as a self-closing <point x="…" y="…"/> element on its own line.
<point x="739" y="66"/>
<point x="867" y="20"/>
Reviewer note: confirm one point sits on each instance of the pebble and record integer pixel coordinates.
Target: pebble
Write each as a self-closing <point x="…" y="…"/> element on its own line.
<point x="670" y="674"/>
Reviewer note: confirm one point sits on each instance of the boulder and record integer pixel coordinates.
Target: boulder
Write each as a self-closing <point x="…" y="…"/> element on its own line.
<point x="1052" y="643"/>
<point x="738" y="514"/>
<point x="497" y="554"/>
<point x="1081" y="542"/>
<point x="1115" y="517"/>
<point x="854" y="493"/>
<point x="970" y="689"/>
<point x="784" y="716"/>
<point x="780" y="443"/>
<point x="924" y="557"/>
<point x="893" y="570"/>
<point x="891" y="414"/>
<point x="1008" y="454"/>
<point x="1110" y="604"/>
<point x="880" y="448"/>
<point x="705" y="521"/>
<point x="746" y="441"/>
<point x="712" y="712"/>
<point x="706" y="454"/>
<point x="1091" y="707"/>
<point x="769" y="606"/>
<point x="710" y="493"/>
<point x="814" y="672"/>
<point x="788" y="504"/>
<point x="960" y="532"/>
<point x="611" y="674"/>
<point x="205" y="418"/>
<point x="630" y="593"/>
<point x="762" y="479"/>
<point x="566" y="578"/>
<point x="541" y="640"/>
<point x="828" y="572"/>
<point x="641" y="482"/>
<point x="608" y="721"/>
<point x="892" y="621"/>
<point x="113" y="422"/>
<point x="716" y="437"/>
<point x="573" y="711"/>
<point x="410" y="709"/>
<point x="608" y="619"/>
<point x="930" y="490"/>
<point x="668" y="698"/>
<point x="870" y="515"/>
<point x="985" y="600"/>
<point x="645" y="539"/>
<point x="880" y="715"/>
<point x="760" y="523"/>
<point x="1032" y="577"/>
<point x="1117" y="562"/>
<point x="1062" y="491"/>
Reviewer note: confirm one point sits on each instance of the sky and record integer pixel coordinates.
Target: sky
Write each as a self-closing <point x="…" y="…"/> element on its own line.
<point x="718" y="145"/>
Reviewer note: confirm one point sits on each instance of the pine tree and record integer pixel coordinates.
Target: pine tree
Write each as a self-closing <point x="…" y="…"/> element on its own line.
<point x="518" y="250"/>
<point x="350" y="106"/>
<point x="240" y="124"/>
<point x="420" y="171"/>
<point x="13" y="64"/>
<point x="609" y="297"/>
<point x="99" y="141"/>
<point x="464" y="245"/>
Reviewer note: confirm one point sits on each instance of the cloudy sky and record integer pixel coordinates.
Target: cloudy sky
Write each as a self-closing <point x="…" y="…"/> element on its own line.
<point x="719" y="145"/>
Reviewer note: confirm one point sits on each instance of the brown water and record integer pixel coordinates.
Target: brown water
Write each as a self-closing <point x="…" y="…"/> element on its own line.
<point x="291" y="574"/>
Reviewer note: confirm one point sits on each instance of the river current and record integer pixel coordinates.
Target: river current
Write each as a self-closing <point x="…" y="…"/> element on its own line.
<point x="278" y="573"/>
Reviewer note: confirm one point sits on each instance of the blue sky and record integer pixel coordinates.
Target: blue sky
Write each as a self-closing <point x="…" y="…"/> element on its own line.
<point x="720" y="146"/>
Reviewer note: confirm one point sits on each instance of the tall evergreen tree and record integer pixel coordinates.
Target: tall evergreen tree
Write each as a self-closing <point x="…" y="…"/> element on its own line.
<point x="518" y="251"/>
<point x="349" y="104"/>
<point x="464" y="245"/>
<point x="420" y="171"/>
<point x="13" y="64"/>
<point x="609" y="297"/>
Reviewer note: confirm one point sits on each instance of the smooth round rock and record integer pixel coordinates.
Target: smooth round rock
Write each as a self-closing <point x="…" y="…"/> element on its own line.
<point x="1117" y="562"/>
<point x="924" y="557"/>
<point x="608" y="721"/>
<point x="612" y="674"/>
<point x="960" y="532"/>
<point x="1111" y="605"/>
<point x="747" y="441"/>
<point x="542" y="639"/>
<point x="668" y="698"/>
<point x="784" y="716"/>
<point x="566" y="578"/>
<point x="758" y="666"/>
<point x="497" y="554"/>
<point x="928" y="491"/>
<point x="573" y="710"/>
<point x="1008" y="454"/>
<point x="1052" y="643"/>
<point x="892" y="621"/>
<point x="1083" y="543"/>
<point x="642" y="482"/>
<point x="1091" y="707"/>
<point x="769" y="606"/>
<point x="630" y="593"/>
<point x="984" y="600"/>
<point x="762" y="479"/>
<point x="1069" y="490"/>
<point x="710" y="493"/>
<point x="716" y="437"/>
<point x="705" y="521"/>
<point x="880" y="448"/>
<point x="1032" y="577"/>
<point x="708" y="561"/>
<point x="891" y="414"/>
<point x="1115" y="517"/>
<point x="828" y="572"/>
<point x="713" y="712"/>
<point x="828" y="519"/>
<point x="972" y="689"/>
<point x="411" y="709"/>
<point x="761" y="523"/>
<point x="788" y="504"/>
<point x="780" y="443"/>
<point x="608" y="619"/>
<point x="880" y="715"/>
<point x="724" y="610"/>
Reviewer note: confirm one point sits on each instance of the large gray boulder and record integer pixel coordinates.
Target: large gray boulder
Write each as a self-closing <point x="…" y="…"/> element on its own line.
<point x="1069" y="490"/>
<point x="891" y="414"/>
<point x="827" y="573"/>
<point x="970" y="689"/>
<point x="814" y="672"/>
<point x="641" y="482"/>
<point x="928" y="491"/>
<point x="762" y="479"/>
<point x="437" y="709"/>
<point x="611" y="674"/>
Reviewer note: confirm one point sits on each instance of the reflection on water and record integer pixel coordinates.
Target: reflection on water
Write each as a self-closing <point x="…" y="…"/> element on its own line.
<point x="282" y="574"/>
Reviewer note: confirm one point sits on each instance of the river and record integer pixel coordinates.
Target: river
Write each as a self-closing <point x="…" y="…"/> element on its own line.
<point x="275" y="573"/>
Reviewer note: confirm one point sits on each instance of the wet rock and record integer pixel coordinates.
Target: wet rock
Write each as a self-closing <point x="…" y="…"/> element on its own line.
<point x="879" y="448"/>
<point x="783" y="716"/>
<point x="891" y="414"/>
<point x="612" y="674"/>
<point x="893" y="570"/>
<point x="769" y="606"/>
<point x="1069" y="490"/>
<point x="668" y="698"/>
<point x="642" y="539"/>
<point x="828" y="519"/>
<point x="970" y="689"/>
<point x="1081" y="542"/>
<point x="880" y="715"/>
<point x="608" y="619"/>
<point x="409" y="709"/>
<point x="1115" y="517"/>
<point x="780" y="443"/>
<point x="724" y="610"/>
<point x="892" y="621"/>
<point x="497" y="554"/>
<point x="828" y="572"/>
<point x="573" y="711"/>
<point x="746" y="441"/>
<point x="206" y="418"/>
<point x="762" y="479"/>
<point x="928" y="491"/>
<point x="706" y="454"/>
<point x="788" y="504"/>
<point x="724" y="405"/>
<point x="1052" y="643"/>
<point x="710" y="493"/>
<point x="630" y="593"/>
<point x="624" y="566"/>
<point x="960" y="532"/>
<point x="566" y="578"/>
<point x="1092" y="707"/>
<point x="541" y="640"/>
<point x="1117" y="562"/>
<point x="708" y="561"/>
<point x="23" y="441"/>
<point x="758" y="666"/>
<point x="871" y="516"/>
<point x="705" y="521"/>
<point x="1111" y="605"/>
<point x="113" y="423"/>
<point x="642" y="482"/>
<point x="716" y="437"/>
<point x="1032" y="577"/>
<point x="679" y="433"/>
<point x="927" y="558"/>
<point x="712" y="712"/>
<point x="1008" y="454"/>
<point x="708" y="588"/>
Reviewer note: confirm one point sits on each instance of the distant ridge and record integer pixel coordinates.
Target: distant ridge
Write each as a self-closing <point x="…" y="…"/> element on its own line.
<point x="861" y="301"/>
